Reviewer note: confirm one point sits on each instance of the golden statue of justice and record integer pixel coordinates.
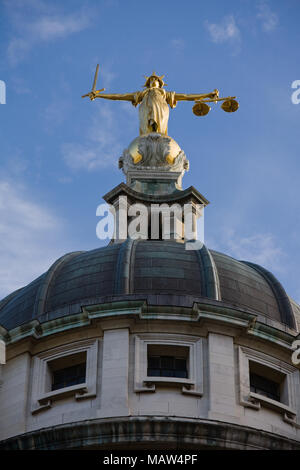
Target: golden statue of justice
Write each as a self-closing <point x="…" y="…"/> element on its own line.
<point x="154" y="102"/>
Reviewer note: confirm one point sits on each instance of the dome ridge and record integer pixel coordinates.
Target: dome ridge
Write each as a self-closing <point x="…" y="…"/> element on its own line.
<point x="283" y="302"/>
<point x="44" y="286"/>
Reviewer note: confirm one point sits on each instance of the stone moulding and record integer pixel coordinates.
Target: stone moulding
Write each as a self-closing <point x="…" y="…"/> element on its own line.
<point x="193" y="385"/>
<point x="255" y="401"/>
<point x="146" y="432"/>
<point x="43" y="398"/>
<point x="185" y="195"/>
<point x="199" y="312"/>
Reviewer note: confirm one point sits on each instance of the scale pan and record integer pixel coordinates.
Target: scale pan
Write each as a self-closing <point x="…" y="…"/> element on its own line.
<point x="230" y="106"/>
<point x="201" y="109"/>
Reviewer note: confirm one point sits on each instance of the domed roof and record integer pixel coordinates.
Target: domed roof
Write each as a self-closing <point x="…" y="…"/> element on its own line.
<point x="163" y="272"/>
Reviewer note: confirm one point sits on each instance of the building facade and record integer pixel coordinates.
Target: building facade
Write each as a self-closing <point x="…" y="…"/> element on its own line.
<point x="145" y="344"/>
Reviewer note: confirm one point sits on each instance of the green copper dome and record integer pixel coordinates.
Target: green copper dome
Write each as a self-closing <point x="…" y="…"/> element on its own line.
<point x="161" y="272"/>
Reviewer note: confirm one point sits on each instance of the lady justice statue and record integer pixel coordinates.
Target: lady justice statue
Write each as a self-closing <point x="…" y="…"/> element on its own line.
<point x="154" y="102"/>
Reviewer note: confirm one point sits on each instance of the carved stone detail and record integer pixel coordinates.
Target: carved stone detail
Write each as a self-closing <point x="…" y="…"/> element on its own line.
<point x="154" y="151"/>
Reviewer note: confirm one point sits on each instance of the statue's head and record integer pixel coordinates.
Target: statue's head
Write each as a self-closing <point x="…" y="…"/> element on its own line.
<point x="154" y="81"/>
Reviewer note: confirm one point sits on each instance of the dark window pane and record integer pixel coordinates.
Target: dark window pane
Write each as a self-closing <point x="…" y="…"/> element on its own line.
<point x="180" y="363"/>
<point x="167" y="362"/>
<point x="167" y="372"/>
<point x="265" y="387"/>
<point x="154" y="362"/>
<point x="180" y="368"/>
<point x="69" y="376"/>
<point x="167" y="366"/>
<point x="154" y="372"/>
<point x="180" y="373"/>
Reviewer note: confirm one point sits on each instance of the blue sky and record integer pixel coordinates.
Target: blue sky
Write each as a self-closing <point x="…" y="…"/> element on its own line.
<point x="59" y="153"/>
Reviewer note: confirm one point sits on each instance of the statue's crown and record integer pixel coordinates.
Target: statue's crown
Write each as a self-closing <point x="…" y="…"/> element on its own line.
<point x="158" y="77"/>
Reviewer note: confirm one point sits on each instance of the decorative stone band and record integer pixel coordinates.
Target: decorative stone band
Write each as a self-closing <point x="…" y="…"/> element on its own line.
<point x="146" y="432"/>
<point x="178" y="196"/>
<point x="144" y="308"/>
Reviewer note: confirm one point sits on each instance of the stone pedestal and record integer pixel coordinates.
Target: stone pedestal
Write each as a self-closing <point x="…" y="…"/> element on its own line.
<point x="154" y="164"/>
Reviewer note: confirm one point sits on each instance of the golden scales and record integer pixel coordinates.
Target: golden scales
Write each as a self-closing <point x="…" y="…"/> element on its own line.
<point x="229" y="105"/>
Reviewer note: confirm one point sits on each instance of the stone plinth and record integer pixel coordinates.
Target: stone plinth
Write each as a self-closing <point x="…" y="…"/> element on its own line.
<point x="154" y="164"/>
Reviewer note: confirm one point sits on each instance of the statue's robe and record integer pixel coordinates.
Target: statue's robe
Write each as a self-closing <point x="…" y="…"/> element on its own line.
<point x="154" y="109"/>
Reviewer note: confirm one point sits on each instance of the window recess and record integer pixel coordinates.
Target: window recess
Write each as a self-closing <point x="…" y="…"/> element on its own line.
<point x="63" y="372"/>
<point x="168" y="360"/>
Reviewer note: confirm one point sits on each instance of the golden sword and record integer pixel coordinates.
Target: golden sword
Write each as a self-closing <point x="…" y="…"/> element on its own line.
<point x="94" y="91"/>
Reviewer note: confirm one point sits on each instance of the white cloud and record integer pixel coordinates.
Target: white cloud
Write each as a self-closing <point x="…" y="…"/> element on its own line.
<point x="55" y="113"/>
<point x="261" y="248"/>
<point x="48" y="28"/>
<point x="64" y="179"/>
<point x="17" y="49"/>
<point x="269" y="19"/>
<point x="102" y="148"/>
<point x="101" y="144"/>
<point x="41" y="25"/>
<point x="85" y="157"/>
<point x="30" y="5"/>
<point x="177" y="44"/>
<point x="225" y="31"/>
<point x="28" y="233"/>
<point x="20" y="86"/>
<point x="106" y="76"/>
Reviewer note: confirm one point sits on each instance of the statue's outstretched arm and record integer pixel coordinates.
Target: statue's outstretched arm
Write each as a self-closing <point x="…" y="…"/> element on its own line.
<point x="116" y="96"/>
<point x="185" y="97"/>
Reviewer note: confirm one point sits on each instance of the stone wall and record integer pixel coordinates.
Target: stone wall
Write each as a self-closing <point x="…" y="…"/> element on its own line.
<point x="215" y="394"/>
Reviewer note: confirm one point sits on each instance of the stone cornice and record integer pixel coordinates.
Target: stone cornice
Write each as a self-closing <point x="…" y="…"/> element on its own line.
<point x="209" y="311"/>
<point x="150" y="433"/>
<point x="186" y="194"/>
